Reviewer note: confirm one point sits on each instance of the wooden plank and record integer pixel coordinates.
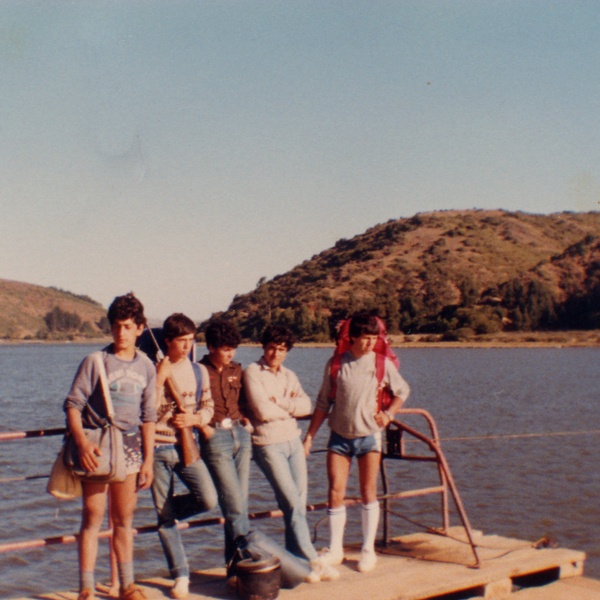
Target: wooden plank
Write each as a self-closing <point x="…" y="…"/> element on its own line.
<point x="415" y="567"/>
<point x="574" y="588"/>
<point x="498" y="589"/>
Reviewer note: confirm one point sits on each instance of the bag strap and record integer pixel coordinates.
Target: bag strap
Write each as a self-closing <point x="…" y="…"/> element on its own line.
<point x="99" y="360"/>
<point x="336" y="363"/>
<point x="382" y="351"/>
<point x="198" y="373"/>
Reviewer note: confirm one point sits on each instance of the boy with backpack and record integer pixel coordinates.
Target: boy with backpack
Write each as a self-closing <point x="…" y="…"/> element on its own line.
<point x="350" y="399"/>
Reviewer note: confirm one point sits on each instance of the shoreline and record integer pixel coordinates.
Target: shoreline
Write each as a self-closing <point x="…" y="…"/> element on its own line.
<point x="528" y="339"/>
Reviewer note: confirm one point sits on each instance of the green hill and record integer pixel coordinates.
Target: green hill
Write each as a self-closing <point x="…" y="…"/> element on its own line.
<point x="30" y="311"/>
<point x="452" y="273"/>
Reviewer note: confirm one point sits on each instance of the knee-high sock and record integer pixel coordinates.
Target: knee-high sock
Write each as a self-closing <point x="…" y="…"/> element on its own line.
<point x="370" y="522"/>
<point x="337" y="523"/>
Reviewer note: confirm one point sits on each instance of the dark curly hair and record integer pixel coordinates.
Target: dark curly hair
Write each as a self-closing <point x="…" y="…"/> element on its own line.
<point x="126" y="307"/>
<point x="278" y="334"/>
<point x="221" y="333"/>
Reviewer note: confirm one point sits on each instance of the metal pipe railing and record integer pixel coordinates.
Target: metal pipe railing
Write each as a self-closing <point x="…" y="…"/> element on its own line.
<point x="396" y="450"/>
<point x="433" y="442"/>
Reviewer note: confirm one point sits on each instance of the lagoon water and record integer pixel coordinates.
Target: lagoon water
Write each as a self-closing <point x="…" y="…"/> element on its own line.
<point x="529" y="487"/>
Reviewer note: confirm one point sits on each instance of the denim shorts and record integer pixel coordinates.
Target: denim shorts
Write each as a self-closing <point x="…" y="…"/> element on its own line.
<point x="356" y="446"/>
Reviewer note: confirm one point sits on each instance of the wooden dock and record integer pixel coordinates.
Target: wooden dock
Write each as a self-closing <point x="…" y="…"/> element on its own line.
<point x="425" y="566"/>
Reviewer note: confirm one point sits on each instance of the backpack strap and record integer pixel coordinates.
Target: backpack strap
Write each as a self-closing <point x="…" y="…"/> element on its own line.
<point x="198" y="373"/>
<point x="98" y="358"/>
<point x="382" y="351"/>
<point x="379" y="368"/>
<point x="336" y="363"/>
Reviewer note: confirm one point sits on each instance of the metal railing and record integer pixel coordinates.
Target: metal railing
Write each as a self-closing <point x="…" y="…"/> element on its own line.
<point x="395" y="449"/>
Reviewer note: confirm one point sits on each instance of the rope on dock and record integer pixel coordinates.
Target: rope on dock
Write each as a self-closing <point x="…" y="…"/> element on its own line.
<point x="518" y="435"/>
<point x="541" y="543"/>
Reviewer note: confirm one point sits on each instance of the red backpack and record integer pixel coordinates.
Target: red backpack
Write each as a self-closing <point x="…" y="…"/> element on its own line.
<point x="382" y="351"/>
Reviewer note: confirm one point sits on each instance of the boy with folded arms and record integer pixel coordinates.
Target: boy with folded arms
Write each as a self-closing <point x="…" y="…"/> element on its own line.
<point x="275" y="399"/>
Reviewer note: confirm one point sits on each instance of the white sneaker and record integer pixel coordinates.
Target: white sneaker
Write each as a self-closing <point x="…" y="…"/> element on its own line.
<point x="181" y="588"/>
<point x="313" y="576"/>
<point x="332" y="558"/>
<point x="321" y="572"/>
<point x="329" y="573"/>
<point x="367" y="561"/>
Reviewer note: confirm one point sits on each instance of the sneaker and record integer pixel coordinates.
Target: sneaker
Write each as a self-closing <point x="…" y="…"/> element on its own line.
<point x="133" y="592"/>
<point x="320" y="571"/>
<point x="181" y="588"/>
<point x="367" y="561"/>
<point x="86" y="594"/>
<point x="332" y="558"/>
<point x="313" y="576"/>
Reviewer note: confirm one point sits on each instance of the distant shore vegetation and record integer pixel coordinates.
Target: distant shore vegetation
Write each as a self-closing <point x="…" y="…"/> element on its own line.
<point x="34" y="313"/>
<point x="62" y="324"/>
<point x="450" y="275"/>
<point x="444" y="277"/>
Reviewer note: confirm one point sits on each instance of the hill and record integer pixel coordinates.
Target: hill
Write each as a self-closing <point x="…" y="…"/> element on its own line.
<point x="30" y="311"/>
<point x="450" y="273"/>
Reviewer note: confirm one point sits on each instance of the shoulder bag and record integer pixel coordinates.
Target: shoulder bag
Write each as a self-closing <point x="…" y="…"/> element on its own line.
<point x="109" y="439"/>
<point x="62" y="483"/>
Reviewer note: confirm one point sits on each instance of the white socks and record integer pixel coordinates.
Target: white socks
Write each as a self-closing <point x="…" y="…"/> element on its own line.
<point x="370" y="522"/>
<point x="337" y="523"/>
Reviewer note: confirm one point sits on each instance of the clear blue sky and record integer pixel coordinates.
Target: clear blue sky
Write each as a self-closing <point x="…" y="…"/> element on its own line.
<point x="183" y="150"/>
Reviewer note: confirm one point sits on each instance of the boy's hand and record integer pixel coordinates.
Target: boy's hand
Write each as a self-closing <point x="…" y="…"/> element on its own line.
<point x="307" y="444"/>
<point x="382" y="419"/>
<point x="184" y="419"/>
<point x="87" y="455"/>
<point x="145" y="475"/>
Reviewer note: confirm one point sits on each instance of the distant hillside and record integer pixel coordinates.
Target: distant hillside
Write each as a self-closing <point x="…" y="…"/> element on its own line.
<point x="562" y="292"/>
<point x="33" y="312"/>
<point x="454" y="273"/>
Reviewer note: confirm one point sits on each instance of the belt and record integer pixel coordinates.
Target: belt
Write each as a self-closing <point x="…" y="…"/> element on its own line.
<point x="228" y="423"/>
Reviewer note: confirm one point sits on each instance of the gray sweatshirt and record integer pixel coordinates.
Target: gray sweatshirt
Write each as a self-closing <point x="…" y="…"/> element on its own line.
<point x="352" y="411"/>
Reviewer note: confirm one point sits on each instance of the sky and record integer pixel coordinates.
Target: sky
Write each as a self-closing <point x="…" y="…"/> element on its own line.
<point x="185" y="149"/>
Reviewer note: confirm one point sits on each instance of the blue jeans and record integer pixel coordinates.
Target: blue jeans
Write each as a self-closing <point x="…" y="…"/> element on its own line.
<point x="202" y="497"/>
<point x="227" y="455"/>
<point x="284" y="466"/>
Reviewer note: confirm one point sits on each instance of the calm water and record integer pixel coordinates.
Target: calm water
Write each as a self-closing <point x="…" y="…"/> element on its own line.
<point x="521" y="487"/>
